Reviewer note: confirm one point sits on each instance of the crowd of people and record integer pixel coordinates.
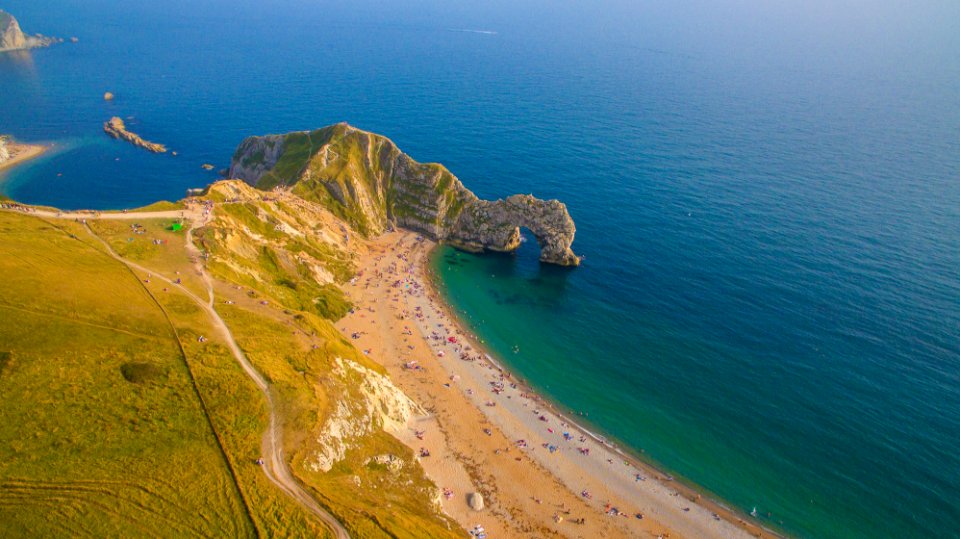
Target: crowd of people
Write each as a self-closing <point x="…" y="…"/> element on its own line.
<point x="415" y="308"/>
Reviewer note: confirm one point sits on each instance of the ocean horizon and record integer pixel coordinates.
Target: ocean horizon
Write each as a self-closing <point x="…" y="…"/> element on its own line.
<point x="767" y="198"/>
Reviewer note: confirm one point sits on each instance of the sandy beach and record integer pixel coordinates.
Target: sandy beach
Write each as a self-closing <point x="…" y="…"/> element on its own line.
<point x="19" y="153"/>
<point x="540" y="474"/>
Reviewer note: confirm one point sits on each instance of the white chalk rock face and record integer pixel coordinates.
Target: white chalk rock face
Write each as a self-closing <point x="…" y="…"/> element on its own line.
<point x="11" y="37"/>
<point x="371" y="402"/>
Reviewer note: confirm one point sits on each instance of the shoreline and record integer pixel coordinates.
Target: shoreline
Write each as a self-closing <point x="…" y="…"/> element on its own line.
<point x="686" y="488"/>
<point x="403" y="322"/>
<point x="671" y="508"/>
<point x="21" y="153"/>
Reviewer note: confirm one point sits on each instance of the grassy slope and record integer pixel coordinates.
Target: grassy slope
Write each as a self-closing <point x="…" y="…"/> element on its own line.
<point x="87" y="452"/>
<point x="91" y="453"/>
<point x="294" y="348"/>
<point x="163" y="205"/>
<point x="275" y="270"/>
<point x="354" y="174"/>
<point x="295" y="353"/>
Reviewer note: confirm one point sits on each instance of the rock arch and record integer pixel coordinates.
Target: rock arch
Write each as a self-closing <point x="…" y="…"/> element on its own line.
<point x="496" y="226"/>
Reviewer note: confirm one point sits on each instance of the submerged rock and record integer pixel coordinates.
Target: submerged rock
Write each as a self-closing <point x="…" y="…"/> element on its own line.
<point x="366" y="180"/>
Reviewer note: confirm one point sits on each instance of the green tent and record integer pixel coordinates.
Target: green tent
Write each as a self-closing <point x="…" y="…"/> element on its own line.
<point x="176" y="226"/>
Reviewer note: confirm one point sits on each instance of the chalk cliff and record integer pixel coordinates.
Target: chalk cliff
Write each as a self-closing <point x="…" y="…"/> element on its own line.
<point x="12" y="37"/>
<point x="366" y="180"/>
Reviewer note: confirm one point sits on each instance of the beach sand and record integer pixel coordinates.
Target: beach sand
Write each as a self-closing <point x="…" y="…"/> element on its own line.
<point x="478" y="414"/>
<point x="20" y="153"/>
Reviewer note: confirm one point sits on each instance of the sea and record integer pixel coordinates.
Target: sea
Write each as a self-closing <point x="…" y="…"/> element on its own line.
<point x="766" y="194"/>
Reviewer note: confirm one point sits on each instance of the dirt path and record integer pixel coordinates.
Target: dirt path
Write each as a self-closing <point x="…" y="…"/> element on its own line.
<point x="190" y="214"/>
<point x="275" y="466"/>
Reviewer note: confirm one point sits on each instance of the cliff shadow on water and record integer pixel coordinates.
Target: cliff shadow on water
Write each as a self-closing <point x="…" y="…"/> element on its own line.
<point x="521" y="278"/>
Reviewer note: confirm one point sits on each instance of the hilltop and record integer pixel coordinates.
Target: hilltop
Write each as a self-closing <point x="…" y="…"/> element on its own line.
<point x="367" y="181"/>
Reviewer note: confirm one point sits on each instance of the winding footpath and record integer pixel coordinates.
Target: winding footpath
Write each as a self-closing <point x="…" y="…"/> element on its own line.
<point x="275" y="466"/>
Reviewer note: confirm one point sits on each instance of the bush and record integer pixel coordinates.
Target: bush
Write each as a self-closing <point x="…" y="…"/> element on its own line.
<point x="140" y="373"/>
<point x="5" y="358"/>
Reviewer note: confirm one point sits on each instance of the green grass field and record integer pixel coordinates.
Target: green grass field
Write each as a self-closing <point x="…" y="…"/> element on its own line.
<point x="104" y="432"/>
<point x="295" y="352"/>
<point x="85" y="450"/>
<point x="118" y="421"/>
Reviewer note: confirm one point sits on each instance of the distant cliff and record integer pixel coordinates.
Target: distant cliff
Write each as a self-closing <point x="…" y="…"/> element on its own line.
<point x="12" y="37"/>
<point x="366" y="180"/>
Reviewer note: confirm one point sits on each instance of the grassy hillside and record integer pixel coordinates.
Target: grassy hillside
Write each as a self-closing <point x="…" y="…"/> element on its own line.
<point x="290" y="250"/>
<point x="100" y="413"/>
<point x="104" y="431"/>
<point x="361" y="177"/>
<point x="119" y="421"/>
<point x="296" y="353"/>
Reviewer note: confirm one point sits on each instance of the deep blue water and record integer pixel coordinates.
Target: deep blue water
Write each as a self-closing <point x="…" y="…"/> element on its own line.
<point x="767" y="193"/>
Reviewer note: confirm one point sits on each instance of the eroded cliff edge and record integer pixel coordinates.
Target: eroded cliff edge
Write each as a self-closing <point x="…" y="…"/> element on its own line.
<point x="12" y="37"/>
<point x="366" y="180"/>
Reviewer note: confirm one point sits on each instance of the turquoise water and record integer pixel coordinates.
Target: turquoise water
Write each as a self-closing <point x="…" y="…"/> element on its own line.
<point x="767" y="194"/>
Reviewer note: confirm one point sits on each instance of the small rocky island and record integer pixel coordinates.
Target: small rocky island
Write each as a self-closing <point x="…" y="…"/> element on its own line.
<point x="12" y="37"/>
<point x="366" y="180"/>
<point x="116" y="129"/>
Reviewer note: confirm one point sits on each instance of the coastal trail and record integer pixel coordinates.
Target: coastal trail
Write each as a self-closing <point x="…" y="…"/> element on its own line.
<point x="275" y="466"/>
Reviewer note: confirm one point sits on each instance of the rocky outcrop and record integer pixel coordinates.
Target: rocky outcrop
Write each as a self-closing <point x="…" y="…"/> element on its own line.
<point x="475" y="501"/>
<point x="366" y="180"/>
<point x="116" y="129"/>
<point x="495" y="226"/>
<point x="370" y="402"/>
<point x="255" y="157"/>
<point x="12" y="37"/>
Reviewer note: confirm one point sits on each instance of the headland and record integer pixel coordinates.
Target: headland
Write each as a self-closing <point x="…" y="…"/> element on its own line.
<point x="320" y="288"/>
<point x="12" y="37"/>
